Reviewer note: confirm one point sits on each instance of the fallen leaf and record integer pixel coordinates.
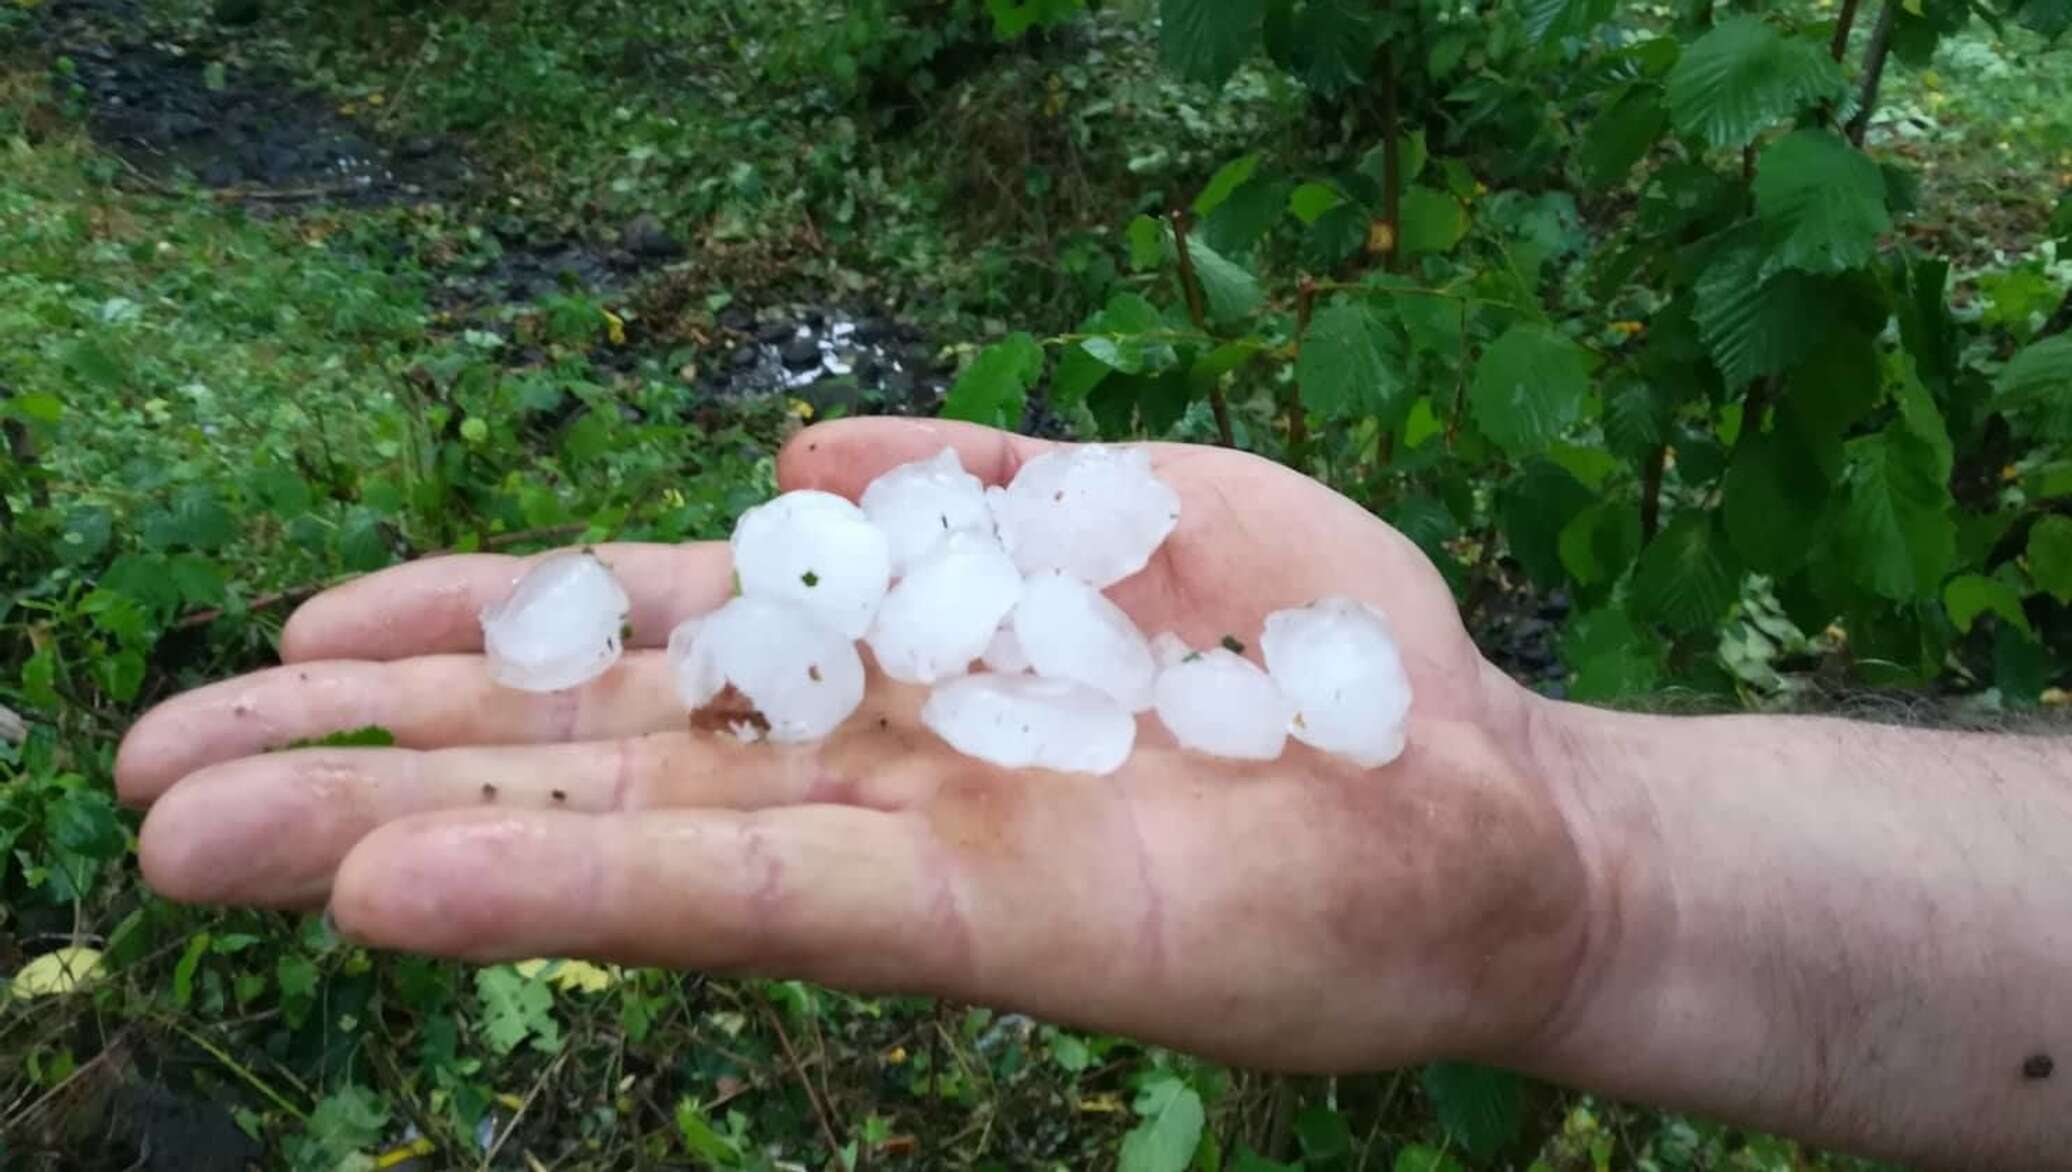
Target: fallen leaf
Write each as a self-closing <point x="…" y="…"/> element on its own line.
<point x="64" y="971"/>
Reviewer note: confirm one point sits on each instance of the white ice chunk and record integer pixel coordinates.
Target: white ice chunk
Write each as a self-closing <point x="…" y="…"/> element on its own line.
<point x="1337" y="660"/>
<point x="559" y="627"/>
<point x="944" y="613"/>
<point x="803" y="678"/>
<point x="1070" y="631"/>
<point x="819" y="551"/>
<point x="1168" y="649"/>
<point x="1026" y="722"/>
<point x="1223" y="704"/>
<point x="919" y="504"/>
<point x="1095" y="512"/>
<point x="1004" y="654"/>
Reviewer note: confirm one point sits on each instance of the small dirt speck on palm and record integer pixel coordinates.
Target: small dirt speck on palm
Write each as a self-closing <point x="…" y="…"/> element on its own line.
<point x="2038" y="1067"/>
<point x="488" y="792"/>
<point x="810" y="578"/>
<point x="1232" y="645"/>
<point x="560" y="795"/>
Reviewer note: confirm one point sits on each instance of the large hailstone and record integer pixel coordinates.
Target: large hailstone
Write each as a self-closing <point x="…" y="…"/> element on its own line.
<point x="1094" y="512"/>
<point x="1027" y="722"/>
<point x="559" y="627"/>
<point x="920" y="504"/>
<point x="945" y="612"/>
<point x="1220" y="703"/>
<point x="818" y="551"/>
<point x="1070" y="631"/>
<point x="802" y="678"/>
<point x="1337" y="660"/>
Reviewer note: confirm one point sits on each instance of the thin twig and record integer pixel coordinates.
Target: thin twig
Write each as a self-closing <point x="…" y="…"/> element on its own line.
<point x="1198" y="313"/>
<point x="798" y="1072"/>
<point x="1873" y="71"/>
<point x="537" y="1084"/>
<point x="1845" y="21"/>
<point x="1298" y="417"/>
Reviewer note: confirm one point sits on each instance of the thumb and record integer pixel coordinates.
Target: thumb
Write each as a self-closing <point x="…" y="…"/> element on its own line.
<point x="844" y="456"/>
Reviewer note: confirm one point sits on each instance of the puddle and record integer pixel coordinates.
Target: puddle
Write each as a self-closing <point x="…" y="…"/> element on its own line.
<point x="862" y="363"/>
<point x="173" y="111"/>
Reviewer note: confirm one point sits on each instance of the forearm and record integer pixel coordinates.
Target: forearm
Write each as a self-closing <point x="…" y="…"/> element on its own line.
<point x="1859" y="935"/>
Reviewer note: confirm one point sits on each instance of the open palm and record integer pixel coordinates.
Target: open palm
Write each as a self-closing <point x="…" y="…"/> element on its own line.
<point x="1302" y="915"/>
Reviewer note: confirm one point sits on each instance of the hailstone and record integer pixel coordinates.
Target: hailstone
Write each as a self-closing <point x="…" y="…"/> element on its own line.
<point x="1004" y="654"/>
<point x="945" y="612"/>
<point x="1070" y="631"/>
<point x="802" y="677"/>
<point x="1094" y="512"/>
<point x="1337" y="660"/>
<point x="1027" y="722"/>
<point x="1220" y="703"/>
<point x="559" y="627"/>
<point x="919" y="504"/>
<point x="819" y="551"/>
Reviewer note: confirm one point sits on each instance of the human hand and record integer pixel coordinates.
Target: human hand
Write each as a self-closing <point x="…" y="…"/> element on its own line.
<point x="1302" y="914"/>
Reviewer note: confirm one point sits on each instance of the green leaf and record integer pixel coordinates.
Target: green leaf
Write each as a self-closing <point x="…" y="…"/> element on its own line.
<point x="1562" y="18"/>
<point x="297" y="977"/>
<point x="1743" y="76"/>
<point x="1250" y="1161"/>
<point x="1533" y="509"/>
<point x="994" y="389"/>
<point x="1235" y="228"/>
<point x="1432" y="221"/>
<point x="1599" y="543"/>
<point x="1751" y="324"/>
<point x="1838" y="383"/>
<point x="2050" y="18"/>
<point x="1228" y="178"/>
<point x="83" y="822"/>
<point x="1328" y="44"/>
<point x="2050" y="556"/>
<point x="1150" y="243"/>
<point x="514" y="1008"/>
<point x="1351" y="366"/>
<point x="1324" y="1134"/>
<point x="1637" y="419"/>
<point x="1529" y="387"/>
<point x="2039" y="378"/>
<point x="1821" y="202"/>
<point x="1481" y="1107"/>
<point x="702" y="1140"/>
<point x="1171" y="1123"/>
<point x="346" y="1122"/>
<point x="183" y="970"/>
<point x="1776" y="495"/>
<point x="1229" y="290"/>
<point x="1425" y="1158"/>
<point x="1688" y="576"/>
<point x="1968" y="596"/>
<point x="94" y="365"/>
<point x="1895" y="533"/>
<point x="1312" y="200"/>
<point x="371" y="736"/>
<point x="1206" y="40"/>
<point x="1621" y="136"/>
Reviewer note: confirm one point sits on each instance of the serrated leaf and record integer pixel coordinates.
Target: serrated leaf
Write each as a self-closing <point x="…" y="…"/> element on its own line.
<point x="1206" y="40"/>
<point x="347" y="1121"/>
<point x="2050" y="18"/>
<point x="1227" y="179"/>
<point x="1529" y="387"/>
<point x="1599" y="543"/>
<point x="1481" y="1107"/>
<point x="1229" y="290"/>
<point x="1432" y="221"/>
<point x="2050" y="556"/>
<point x="1425" y="1158"/>
<point x="1562" y="18"/>
<point x="1612" y="656"/>
<point x="994" y="389"/>
<point x="1894" y="532"/>
<point x="515" y="1008"/>
<point x="1836" y="384"/>
<point x="1744" y="76"/>
<point x="1249" y="214"/>
<point x="1821" y="202"/>
<point x="1688" y="576"/>
<point x="1967" y="596"/>
<point x="1532" y="510"/>
<point x="1351" y="366"/>
<point x="1621" y="136"/>
<point x="1755" y="325"/>
<point x="1311" y="200"/>
<point x="2039" y="379"/>
<point x="1637" y="418"/>
<point x="1776" y="495"/>
<point x="1171" y="1117"/>
<point x="1328" y="44"/>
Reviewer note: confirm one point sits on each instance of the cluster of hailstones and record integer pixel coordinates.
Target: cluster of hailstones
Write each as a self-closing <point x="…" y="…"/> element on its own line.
<point x="991" y="598"/>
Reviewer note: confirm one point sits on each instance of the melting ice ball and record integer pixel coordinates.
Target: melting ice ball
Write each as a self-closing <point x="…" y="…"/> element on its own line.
<point x="919" y="504"/>
<point x="1337" y="660"/>
<point x="1026" y="722"/>
<point x="1220" y="703"/>
<point x="803" y="678"/>
<point x="559" y="627"/>
<point x="1095" y="512"/>
<point x="1070" y="631"/>
<point x="945" y="612"/>
<point x="819" y="551"/>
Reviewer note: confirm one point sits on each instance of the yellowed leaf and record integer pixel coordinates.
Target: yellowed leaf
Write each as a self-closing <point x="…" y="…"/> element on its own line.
<point x="571" y="976"/>
<point x="64" y="971"/>
<point x="615" y="328"/>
